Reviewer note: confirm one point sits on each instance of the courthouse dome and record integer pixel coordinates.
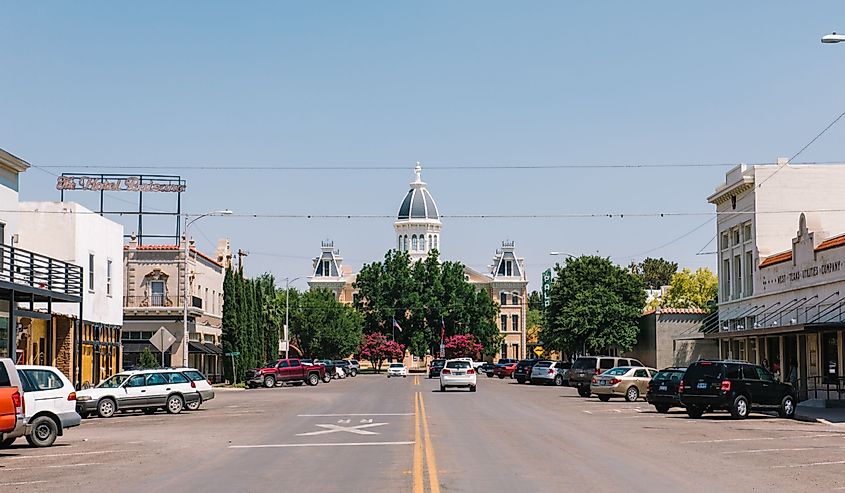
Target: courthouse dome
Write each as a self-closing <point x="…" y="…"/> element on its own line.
<point x="418" y="203"/>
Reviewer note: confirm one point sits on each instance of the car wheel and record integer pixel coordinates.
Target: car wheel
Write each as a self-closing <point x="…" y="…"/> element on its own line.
<point x="44" y="432"/>
<point x="442" y="388"/>
<point x="662" y="408"/>
<point x="604" y="398"/>
<point x="106" y="408"/>
<point x="327" y="378"/>
<point x="472" y="388"/>
<point x="313" y="379"/>
<point x="584" y="391"/>
<point x="149" y="410"/>
<point x="174" y="404"/>
<point x="632" y="394"/>
<point x="269" y="382"/>
<point x="501" y="377"/>
<point x="520" y="380"/>
<point x="558" y="381"/>
<point x="353" y="373"/>
<point x="739" y="409"/>
<point x="193" y="406"/>
<point x="787" y="407"/>
<point x="6" y="443"/>
<point x="404" y="376"/>
<point x="695" y="412"/>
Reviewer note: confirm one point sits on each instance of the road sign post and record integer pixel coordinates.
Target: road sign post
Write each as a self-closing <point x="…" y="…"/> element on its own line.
<point x="162" y="340"/>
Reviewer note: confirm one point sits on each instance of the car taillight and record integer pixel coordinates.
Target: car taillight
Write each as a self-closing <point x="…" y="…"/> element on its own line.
<point x="17" y="401"/>
<point x="681" y="387"/>
<point x="193" y="384"/>
<point x="445" y="371"/>
<point x="71" y="396"/>
<point x="648" y="387"/>
<point x="470" y="372"/>
<point x="594" y="380"/>
<point x="726" y="385"/>
<point x="597" y="371"/>
<point x="550" y="371"/>
<point x="614" y="381"/>
<point x="209" y="382"/>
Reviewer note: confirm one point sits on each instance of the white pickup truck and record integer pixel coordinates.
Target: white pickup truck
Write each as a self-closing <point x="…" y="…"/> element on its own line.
<point x="474" y="364"/>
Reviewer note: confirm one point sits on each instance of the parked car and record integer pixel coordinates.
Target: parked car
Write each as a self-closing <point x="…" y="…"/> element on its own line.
<point x="344" y="365"/>
<point x="662" y="391"/>
<point x="735" y="386"/>
<point x="49" y="405"/>
<point x="586" y="367"/>
<point x="435" y="367"/>
<point x="353" y="363"/>
<point x="505" y="368"/>
<point x="397" y="370"/>
<point x="147" y="390"/>
<point x="487" y="369"/>
<point x="331" y="369"/>
<point x="458" y="373"/>
<point x="630" y="382"/>
<point x="472" y="363"/>
<point x="522" y="372"/>
<point x="203" y="384"/>
<point x="290" y="370"/>
<point x="547" y="372"/>
<point x="12" y="406"/>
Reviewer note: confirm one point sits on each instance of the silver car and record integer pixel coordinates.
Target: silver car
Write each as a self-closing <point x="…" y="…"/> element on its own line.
<point x="556" y="372"/>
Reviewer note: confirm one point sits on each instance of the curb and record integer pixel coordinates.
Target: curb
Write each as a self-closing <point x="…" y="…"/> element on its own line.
<point x="810" y="419"/>
<point x="228" y="389"/>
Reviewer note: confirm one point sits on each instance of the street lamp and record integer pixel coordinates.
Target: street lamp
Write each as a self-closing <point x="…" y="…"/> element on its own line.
<point x="562" y="253"/>
<point x="288" y="280"/>
<point x="833" y="38"/>
<point x="225" y="212"/>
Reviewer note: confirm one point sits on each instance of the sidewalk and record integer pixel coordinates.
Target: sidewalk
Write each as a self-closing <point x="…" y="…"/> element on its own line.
<point x="831" y="416"/>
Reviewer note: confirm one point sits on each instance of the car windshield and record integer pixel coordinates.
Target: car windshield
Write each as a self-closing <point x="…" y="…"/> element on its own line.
<point x="113" y="382"/>
<point x="674" y="376"/>
<point x="438" y="362"/>
<point x="584" y="364"/>
<point x="617" y="371"/>
<point x="396" y="365"/>
<point x="271" y="364"/>
<point x="457" y="364"/>
<point x="504" y="361"/>
<point x="543" y="364"/>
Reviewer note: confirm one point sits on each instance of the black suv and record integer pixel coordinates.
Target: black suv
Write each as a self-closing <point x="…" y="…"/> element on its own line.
<point x="663" y="389"/>
<point x="736" y="386"/>
<point x="435" y="368"/>
<point x="522" y="373"/>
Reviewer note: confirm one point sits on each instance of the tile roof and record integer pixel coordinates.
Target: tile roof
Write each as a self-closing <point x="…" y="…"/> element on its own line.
<point x="836" y="241"/>
<point x="164" y="248"/>
<point x="776" y="259"/>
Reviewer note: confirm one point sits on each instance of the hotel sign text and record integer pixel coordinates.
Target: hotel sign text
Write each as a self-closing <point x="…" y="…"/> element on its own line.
<point x="117" y="184"/>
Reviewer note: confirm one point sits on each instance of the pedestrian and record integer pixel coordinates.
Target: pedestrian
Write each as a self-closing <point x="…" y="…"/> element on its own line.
<point x="765" y="364"/>
<point x="776" y="369"/>
<point x="793" y="373"/>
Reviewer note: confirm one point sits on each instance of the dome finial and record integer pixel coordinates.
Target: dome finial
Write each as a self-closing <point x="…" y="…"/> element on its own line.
<point x="418" y="172"/>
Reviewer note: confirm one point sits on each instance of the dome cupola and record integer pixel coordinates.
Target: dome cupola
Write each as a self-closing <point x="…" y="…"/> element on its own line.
<point x="418" y="224"/>
<point x="418" y="203"/>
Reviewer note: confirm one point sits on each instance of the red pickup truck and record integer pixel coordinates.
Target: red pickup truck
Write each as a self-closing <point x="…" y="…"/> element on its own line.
<point x="291" y="370"/>
<point x="11" y="401"/>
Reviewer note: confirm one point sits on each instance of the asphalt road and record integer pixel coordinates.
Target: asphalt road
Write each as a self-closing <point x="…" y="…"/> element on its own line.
<point x="373" y="434"/>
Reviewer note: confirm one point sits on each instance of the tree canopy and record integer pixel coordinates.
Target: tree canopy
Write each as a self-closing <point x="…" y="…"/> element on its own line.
<point x="655" y="272"/>
<point x="323" y="327"/>
<point x="375" y="348"/>
<point x="692" y="289"/>
<point x="424" y="298"/>
<point x="594" y="305"/>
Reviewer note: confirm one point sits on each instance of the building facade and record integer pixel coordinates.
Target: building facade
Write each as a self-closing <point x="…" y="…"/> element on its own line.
<point x="417" y="230"/>
<point x="96" y="244"/>
<point x="781" y="281"/>
<point x="156" y="294"/>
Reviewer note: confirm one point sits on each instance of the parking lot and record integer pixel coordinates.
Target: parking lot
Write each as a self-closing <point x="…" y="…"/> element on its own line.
<point x="375" y="434"/>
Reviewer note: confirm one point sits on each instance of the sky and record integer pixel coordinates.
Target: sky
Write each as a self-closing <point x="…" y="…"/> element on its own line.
<point x="502" y="103"/>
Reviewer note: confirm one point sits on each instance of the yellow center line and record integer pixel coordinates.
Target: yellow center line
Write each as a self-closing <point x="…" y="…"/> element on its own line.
<point x="434" y="482"/>
<point x="418" y="462"/>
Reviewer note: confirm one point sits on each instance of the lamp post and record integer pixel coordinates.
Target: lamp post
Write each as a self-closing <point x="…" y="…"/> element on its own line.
<point x="833" y="38"/>
<point x="225" y="212"/>
<point x="568" y="255"/>
<point x="288" y="280"/>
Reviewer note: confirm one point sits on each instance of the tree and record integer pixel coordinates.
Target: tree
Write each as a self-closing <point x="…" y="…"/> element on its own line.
<point x="325" y="327"/>
<point x="147" y="360"/>
<point x="535" y="301"/>
<point x="375" y="348"/>
<point x="534" y="323"/>
<point x="692" y="289"/>
<point x="462" y="346"/>
<point x="655" y="272"/>
<point x="594" y="305"/>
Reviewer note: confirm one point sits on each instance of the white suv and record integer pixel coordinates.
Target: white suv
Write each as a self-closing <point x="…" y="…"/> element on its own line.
<point x="49" y="404"/>
<point x="458" y="373"/>
<point x="397" y="370"/>
<point x="148" y="390"/>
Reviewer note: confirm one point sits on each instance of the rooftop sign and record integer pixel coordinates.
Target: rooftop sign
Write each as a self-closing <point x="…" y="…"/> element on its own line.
<point x="118" y="184"/>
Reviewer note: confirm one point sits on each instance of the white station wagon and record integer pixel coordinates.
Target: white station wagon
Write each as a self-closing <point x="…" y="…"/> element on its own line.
<point x="148" y="390"/>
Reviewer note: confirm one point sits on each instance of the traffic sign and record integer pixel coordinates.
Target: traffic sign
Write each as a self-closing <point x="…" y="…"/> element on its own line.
<point x="162" y="339"/>
<point x="233" y="353"/>
<point x="538" y="350"/>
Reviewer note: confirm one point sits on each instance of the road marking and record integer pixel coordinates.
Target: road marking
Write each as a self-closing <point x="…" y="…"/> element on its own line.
<point x="433" y="481"/>
<point x="337" y="444"/>
<point x="588" y="412"/>
<point x="757" y="438"/>
<point x="417" y="465"/>
<point x="53" y="466"/>
<point x="345" y="415"/>
<point x="830" y="463"/>
<point x="69" y="454"/>
<point x="358" y="430"/>
<point x="769" y="450"/>
<point x="21" y="483"/>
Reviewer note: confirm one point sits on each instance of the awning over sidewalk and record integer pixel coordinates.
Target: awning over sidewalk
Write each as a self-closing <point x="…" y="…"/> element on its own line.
<point x="213" y="348"/>
<point x="199" y="348"/>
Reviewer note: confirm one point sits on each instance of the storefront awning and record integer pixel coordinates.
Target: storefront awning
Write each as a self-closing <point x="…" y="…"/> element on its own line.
<point x="198" y="348"/>
<point x="214" y="349"/>
<point x="138" y="347"/>
<point x="765" y="331"/>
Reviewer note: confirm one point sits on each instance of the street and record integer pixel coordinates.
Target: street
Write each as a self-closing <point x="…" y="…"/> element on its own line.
<point x="370" y="434"/>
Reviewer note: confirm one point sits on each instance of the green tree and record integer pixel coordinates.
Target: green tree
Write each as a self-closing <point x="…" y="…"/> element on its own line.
<point x="535" y="301"/>
<point x="535" y="321"/>
<point x="594" y="305"/>
<point x="326" y="327"/>
<point x="147" y="360"/>
<point x="655" y="272"/>
<point x="692" y="289"/>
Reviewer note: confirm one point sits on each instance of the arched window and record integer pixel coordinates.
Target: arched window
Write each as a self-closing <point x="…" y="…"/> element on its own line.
<point x="399" y="245"/>
<point x="503" y="298"/>
<point x="405" y="246"/>
<point x="422" y="242"/>
<point x="515" y="298"/>
<point x="414" y="243"/>
<point x="436" y="246"/>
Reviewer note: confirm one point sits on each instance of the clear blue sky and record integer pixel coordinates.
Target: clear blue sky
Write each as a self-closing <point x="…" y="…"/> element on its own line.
<point x="390" y="83"/>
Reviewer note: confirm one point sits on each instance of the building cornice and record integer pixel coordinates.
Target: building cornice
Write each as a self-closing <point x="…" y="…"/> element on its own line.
<point x="722" y="195"/>
<point x="13" y="162"/>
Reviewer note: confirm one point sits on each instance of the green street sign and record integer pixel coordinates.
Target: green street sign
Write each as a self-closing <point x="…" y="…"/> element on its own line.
<point x="234" y="353"/>
<point x="547" y="286"/>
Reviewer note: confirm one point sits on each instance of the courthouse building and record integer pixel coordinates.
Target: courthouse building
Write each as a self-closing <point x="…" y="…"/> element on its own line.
<point x="781" y="246"/>
<point x="418" y="230"/>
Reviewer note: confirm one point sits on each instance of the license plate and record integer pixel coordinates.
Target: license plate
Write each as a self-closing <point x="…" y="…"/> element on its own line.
<point x="603" y="382"/>
<point x="702" y="385"/>
<point x="662" y="387"/>
<point x="460" y="373"/>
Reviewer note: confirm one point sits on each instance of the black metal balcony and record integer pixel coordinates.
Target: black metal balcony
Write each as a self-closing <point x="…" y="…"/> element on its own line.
<point x="39" y="275"/>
